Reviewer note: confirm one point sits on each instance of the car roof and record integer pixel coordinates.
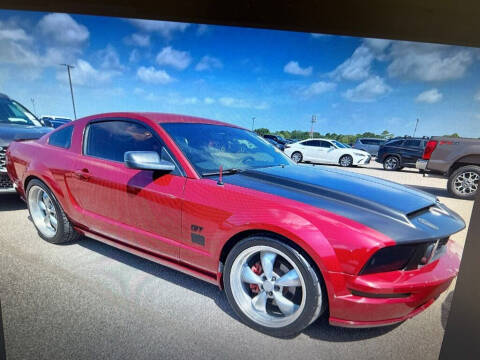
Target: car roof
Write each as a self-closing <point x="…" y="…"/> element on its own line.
<point x="320" y="139"/>
<point x="162" y="118"/>
<point x="370" y="138"/>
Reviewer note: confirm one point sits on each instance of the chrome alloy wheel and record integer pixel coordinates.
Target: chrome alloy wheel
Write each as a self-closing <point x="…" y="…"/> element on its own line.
<point x="391" y="163"/>
<point x="267" y="286"/>
<point x="466" y="182"/>
<point x="42" y="211"/>
<point x="297" y="157"/>
<point x="346" y="161"/>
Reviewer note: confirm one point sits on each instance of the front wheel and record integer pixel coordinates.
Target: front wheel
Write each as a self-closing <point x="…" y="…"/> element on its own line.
<point x="272" y="287"/>
<point x="346" y="161"/>
<point x="463" y="183"/>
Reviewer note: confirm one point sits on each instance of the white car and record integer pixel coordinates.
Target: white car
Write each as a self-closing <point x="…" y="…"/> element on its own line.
<point x="326" y="151"/>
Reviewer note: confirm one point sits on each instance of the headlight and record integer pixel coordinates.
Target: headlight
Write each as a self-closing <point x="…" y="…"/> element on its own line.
<point x="359" y="154"/>
<point x="404" y="257"/>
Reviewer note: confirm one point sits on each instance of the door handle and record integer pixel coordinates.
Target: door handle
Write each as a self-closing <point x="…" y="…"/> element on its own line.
<point x="82" y="174"/>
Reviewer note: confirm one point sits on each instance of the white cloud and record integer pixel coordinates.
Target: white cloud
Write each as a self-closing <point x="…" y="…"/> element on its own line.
<point x="428" y="62"/>
<point x="85" y="74"/>
<point x="164" y="28"/>
<point x="175" y="58"/>
<point x="369" y="90"/>
<point x="134" y="56"/>
<point x="202" y="29"/>
<point x="294" y="68"/>
<point x="319" y="87"/>
<point x="136" y="39"/>
<point x="153" y="76"/>
<point x="476" y="97"/>
<point x="242" y="103"/>
<point x="63" y="29"/>
<point x="208" y="100"/>
<point x="378" y="46"/>
<point x="429" y="96"/>
<point x="208" y="63"/>
<point x="356" y="67"/>
<point x="13" y="34"/>
<point x="317" y="36"/>
<point x="109" y="59"/>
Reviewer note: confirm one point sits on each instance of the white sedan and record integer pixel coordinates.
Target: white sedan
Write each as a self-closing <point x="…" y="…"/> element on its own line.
<point x="327" y="152"/>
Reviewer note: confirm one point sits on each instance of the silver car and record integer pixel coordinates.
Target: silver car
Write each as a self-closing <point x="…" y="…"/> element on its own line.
<point x="370" y="145"/>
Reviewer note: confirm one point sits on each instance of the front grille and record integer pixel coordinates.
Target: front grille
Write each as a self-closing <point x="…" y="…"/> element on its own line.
<point x="5" y="182"/>
<point x="3" y="152"/>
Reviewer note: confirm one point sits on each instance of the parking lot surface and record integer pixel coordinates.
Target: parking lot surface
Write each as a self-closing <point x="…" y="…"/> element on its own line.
<point x="89" y="300"/>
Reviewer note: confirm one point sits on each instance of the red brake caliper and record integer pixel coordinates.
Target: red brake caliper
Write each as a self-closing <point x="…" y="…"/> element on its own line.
<point x="257" y="269"/>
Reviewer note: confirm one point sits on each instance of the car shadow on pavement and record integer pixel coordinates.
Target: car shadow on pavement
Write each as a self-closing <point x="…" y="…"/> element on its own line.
<point x="11" y="202"/>
<point x="434" y="191"/>
<point x="320" y="330"/>
<point x="447" y="303"/>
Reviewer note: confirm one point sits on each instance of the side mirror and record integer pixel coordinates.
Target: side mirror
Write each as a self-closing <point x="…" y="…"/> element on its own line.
<point x="147" y="160"/>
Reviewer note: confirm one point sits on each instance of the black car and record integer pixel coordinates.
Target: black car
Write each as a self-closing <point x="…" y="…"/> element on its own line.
<point x="275" y="143"/>
<point x="398" y="153"/>
<point x="16" y="123"/>
<point x="277" y="138"/>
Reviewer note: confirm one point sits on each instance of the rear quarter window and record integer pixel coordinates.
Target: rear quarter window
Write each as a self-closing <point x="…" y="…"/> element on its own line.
<point x="61" y="138"/>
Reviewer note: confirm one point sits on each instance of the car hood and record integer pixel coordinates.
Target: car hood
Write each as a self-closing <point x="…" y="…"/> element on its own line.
<point x="403" y="213"/>
<point x="12" y="132"/>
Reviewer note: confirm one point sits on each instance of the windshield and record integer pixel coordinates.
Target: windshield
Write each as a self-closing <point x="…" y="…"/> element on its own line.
<point x="11" y="112"/>
<point x="208" y="147"/>
<point x="340" y="145"/>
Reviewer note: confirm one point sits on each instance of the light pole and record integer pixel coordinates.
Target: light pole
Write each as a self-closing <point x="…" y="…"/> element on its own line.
<point x="414" y="131"/>
<point x="34" y="109"/>
<point x="71" y="88"/>
<point x="314" y="120"/>
<point x="253" y="123"/>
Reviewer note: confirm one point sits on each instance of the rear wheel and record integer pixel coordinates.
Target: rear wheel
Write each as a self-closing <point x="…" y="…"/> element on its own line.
<point x="47" y="215"/>
<point x="272" y="287"/>
<point x="391" y="163"/>
<point x="463" y="183"/>
<point x="346" y="161"/>
<point x="297" y="156"/>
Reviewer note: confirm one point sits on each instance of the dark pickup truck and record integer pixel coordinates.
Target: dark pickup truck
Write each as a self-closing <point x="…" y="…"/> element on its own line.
<point x="457" y="159"/>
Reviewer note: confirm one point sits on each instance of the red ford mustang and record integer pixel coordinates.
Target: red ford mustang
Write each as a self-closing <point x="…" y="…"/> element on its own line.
<point x="287" y="242"/>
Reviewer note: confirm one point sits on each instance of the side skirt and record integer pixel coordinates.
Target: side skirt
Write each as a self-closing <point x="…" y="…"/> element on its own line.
<point x="162" y="260"/>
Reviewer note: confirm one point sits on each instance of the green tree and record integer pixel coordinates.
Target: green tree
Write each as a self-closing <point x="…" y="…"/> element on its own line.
<point x="262" y="131"/>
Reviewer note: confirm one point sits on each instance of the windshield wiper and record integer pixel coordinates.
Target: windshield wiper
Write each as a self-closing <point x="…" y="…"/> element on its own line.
<point x="224" y="172"/>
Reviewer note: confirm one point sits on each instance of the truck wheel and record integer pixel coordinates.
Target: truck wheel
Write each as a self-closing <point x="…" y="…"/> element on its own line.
<point x="272" y="287"/>
<point x="48" y="216"/>
<point x="463" y="182"/>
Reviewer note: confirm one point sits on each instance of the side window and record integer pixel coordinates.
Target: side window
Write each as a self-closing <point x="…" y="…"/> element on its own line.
<point x="61" y="138"/>
<point x="111" y="139"/>
<point x="325" y="144"/>
<point x="412" y="143"/>
<point x="310" y="143"/>
<point x="395" y="143"/>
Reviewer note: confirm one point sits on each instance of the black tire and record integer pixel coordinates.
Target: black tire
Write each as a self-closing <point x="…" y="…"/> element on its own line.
<point x="65" y="232"/>
<point x="315" y="295"/>
<point x="392" y="163"/>
<point x="463" y="176"/>
<point x="346" y="161"/>
<point x="297" y="154"/>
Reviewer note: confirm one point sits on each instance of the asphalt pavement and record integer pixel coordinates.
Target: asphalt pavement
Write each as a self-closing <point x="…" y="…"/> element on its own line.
<point x="88" y="300"/>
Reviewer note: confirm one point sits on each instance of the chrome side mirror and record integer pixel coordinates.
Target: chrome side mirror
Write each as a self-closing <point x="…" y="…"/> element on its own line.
<point x="147" y="160"/>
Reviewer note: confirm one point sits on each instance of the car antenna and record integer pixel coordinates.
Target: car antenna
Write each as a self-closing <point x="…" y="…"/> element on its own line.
<point x="220" y="176"/>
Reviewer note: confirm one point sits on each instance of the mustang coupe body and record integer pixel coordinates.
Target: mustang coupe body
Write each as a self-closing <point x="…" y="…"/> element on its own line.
<point x="287" y="242"/>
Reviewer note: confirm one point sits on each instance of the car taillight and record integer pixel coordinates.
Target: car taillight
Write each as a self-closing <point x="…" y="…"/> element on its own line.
<point x="431" y="145"/>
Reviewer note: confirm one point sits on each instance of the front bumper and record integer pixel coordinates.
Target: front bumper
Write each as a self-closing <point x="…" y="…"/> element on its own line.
<point x="392" y="297"/>
<point x="364" y="160"/>
<point x="421" y="164"/>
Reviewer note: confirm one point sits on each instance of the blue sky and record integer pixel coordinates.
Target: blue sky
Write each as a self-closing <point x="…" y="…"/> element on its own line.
<point x="232" y="74"/>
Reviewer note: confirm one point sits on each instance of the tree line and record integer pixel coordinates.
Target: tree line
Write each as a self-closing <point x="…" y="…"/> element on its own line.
<point x="346" y="139"/>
